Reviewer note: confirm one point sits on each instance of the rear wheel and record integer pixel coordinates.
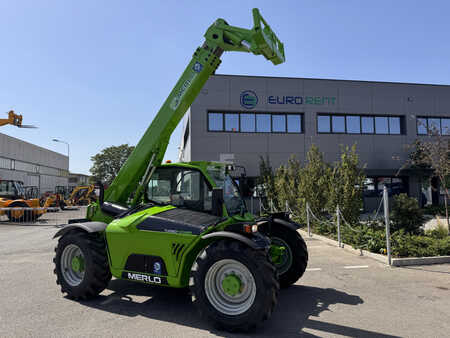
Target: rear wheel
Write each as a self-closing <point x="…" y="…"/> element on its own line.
<point x="81" y="264"/>
<point x="233" y="285"/>
<point x="292" y="261"/>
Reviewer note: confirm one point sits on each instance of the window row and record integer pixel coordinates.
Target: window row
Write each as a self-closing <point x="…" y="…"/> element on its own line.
<point x="255" y="123"/>
<point x="432" y="125"/>
<point x="360" y="124"/>
<point x="373" y="186"/>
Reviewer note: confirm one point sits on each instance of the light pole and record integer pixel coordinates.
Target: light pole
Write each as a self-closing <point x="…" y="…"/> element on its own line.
<point x="68" y="149"/>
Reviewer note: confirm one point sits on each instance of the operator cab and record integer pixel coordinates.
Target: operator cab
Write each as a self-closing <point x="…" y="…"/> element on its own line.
<point x="187" y="187"/>
<point x="12" y="190"/>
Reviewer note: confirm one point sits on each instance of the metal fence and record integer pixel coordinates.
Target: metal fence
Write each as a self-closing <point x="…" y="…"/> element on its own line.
<point x="337" y="222"/>
<point x="40" y="216"/>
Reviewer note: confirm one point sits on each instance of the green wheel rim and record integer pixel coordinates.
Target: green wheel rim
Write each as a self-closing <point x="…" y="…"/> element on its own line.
<point x="285" y="263"/>
<point x="230" y="287"/>
<point x="72" y="265"/>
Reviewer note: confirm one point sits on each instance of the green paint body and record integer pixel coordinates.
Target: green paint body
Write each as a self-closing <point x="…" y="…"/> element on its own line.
<point x="122" y="236"/>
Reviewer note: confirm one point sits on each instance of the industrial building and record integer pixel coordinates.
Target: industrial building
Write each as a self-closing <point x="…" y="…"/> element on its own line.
<point x="31" y="164"/>
<point x="243" y="118"/>
<point x="78" y="179"/>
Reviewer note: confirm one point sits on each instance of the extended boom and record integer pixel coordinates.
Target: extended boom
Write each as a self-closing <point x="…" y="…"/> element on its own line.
<point x="150" y="150"/>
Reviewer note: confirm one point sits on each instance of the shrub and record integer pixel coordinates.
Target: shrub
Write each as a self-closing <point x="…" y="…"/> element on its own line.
<point x="434" y="210"/>
<point x="406" y="214"/>
<point x="408" y="245"/>
<point x="440" y="232"/>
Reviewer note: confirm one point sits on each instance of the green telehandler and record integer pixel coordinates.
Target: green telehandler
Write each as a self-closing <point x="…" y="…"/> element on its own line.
<point x="185" y="224"/>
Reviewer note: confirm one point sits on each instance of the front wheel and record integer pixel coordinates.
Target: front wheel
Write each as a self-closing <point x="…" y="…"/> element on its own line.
<point x="292" y="259"/>
<point x="233" y="285"/>
<point x="81" y="264"/>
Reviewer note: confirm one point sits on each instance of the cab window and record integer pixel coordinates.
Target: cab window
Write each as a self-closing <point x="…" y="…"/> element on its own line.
<point x="180" y="187"/>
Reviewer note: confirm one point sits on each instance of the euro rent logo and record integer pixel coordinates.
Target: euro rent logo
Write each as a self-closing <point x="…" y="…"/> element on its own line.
<point x="249" y="100"/>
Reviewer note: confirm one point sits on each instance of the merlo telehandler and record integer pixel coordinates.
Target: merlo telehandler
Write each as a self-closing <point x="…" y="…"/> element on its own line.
<point x="185" y="224"/>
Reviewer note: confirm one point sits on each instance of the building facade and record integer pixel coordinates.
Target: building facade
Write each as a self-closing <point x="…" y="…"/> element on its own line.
<point x="78" y="179"/>
<point x="33" y="165"/>
<point x="243" y="118"/>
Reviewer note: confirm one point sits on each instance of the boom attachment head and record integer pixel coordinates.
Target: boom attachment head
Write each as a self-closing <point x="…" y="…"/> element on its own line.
<point x="14" y="120"/>
<point x="260" y="40"/>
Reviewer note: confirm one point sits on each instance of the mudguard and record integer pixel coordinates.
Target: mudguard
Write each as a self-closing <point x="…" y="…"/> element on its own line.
<point x="256" y="242"/>
<point x="288" y="224"/>
<point x="277" y="219"/>
<point x="86" y="226"/>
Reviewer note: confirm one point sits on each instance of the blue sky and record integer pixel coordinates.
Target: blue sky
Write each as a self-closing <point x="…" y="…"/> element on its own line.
<point x="95" y="73"/>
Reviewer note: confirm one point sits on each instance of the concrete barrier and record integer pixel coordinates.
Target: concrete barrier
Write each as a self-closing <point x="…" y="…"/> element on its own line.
<point x="382" y="258"/>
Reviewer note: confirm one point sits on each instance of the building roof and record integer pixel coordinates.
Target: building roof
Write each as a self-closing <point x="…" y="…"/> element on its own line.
<point x="337" y="80"/>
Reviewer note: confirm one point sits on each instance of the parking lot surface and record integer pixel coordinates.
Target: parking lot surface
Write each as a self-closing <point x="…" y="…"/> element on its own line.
<point x="340" y="295"/>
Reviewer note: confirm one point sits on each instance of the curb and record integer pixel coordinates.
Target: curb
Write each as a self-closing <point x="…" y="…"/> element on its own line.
<point x="381" y="258"/>
<point x="420" y="260"/>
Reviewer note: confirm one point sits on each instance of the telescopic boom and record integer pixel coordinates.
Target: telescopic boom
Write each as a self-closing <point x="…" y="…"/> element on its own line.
<point x="149" y="152"/>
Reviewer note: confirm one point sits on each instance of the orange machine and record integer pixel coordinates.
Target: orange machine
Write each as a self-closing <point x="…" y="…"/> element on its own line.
<point x="12" y="195"/>
<point x="14" y="120"/>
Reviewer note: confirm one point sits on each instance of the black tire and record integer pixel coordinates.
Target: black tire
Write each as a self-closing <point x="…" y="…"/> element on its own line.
<point x="291" y="272"/>
<point x="26" y="216"/>
<point x="62" y="205"/>
<point x="265" y="283"/>
<point x="96" y="269"/>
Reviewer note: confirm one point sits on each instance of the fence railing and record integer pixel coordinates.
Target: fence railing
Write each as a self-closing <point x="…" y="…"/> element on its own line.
<point x="339" y="219"/>
<point x="40" y="215"/>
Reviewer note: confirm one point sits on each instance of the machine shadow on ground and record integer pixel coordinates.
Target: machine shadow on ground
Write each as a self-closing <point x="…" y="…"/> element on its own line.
<point x="296" y="305"/>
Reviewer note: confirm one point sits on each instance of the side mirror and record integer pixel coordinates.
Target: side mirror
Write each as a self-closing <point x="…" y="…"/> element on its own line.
<point x="217" y="201"/>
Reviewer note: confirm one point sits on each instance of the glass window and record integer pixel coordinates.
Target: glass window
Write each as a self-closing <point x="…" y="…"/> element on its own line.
<point x="353" y="125"/>
<point x="279" y="123"/>
<point x="381" y="125"/>
<point x="248" y="123"/>
<point x="323" y="123"/>
<point x="215" y="121"/>
<point x="7" y="188"/>
<point x="367" y="124"/>
<point x="370" y="187"/>
<point x="422" y="126"/>
<point x="231" y="122"/>
<point x="263" y="123"/>
<point x="394" y="125"/>
<point x="445" y="126"/>
<point x="434" y="125"/>
<point x="338" y="124"/>
<point x="180" y="187"/>
<point x="294" y="123"/>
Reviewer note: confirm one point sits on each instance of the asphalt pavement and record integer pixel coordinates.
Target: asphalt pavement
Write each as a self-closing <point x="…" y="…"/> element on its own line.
<point x="341" y="294"/>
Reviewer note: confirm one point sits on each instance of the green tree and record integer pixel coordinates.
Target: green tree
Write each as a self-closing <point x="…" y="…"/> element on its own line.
<point x="266" y="182"/>
<point x="433" y="152"/>
<point x="313" y="182"/>
<point x="286" y="184"/>
<point x="108" y="162"/>
<point x="346" y="185"/>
